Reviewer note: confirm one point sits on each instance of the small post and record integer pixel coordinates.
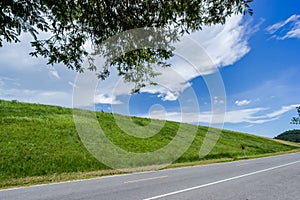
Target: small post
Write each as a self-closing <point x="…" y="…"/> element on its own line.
<point x="243" y="147"/>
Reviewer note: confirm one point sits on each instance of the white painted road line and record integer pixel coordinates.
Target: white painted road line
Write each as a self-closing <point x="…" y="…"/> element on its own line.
<point x="221" y="181"/>
<point x="146" y="179"/>
<point x="242" y="164"/>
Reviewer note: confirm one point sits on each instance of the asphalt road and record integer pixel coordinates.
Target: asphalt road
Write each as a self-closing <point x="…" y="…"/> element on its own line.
<point x="266" y="178"/>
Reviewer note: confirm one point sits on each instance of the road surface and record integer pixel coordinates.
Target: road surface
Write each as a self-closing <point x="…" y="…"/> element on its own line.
<point x="265" y="178"/>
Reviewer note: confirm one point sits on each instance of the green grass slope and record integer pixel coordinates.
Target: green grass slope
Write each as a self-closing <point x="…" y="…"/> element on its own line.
<point x="39" y="140"/>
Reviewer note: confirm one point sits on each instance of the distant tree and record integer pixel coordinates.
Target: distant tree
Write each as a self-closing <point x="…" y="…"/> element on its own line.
<point x="71" y="24"/>
<point x="296" y="120"/>
<point x="291" y="135"/>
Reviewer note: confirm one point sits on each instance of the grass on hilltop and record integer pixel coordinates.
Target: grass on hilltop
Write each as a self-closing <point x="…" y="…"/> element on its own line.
<point x="42" y="141"/>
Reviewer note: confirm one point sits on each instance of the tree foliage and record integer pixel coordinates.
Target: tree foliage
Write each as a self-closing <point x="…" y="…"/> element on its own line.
<point x="71" y="24"/>
<point x="291" y="135"/>
<point x="296" y="120"/>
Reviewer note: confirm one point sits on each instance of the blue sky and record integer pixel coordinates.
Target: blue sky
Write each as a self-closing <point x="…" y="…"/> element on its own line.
<point x="257" y="58"/>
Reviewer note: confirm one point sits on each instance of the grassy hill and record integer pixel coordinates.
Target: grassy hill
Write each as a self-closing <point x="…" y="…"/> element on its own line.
<point x="41" y="141"/>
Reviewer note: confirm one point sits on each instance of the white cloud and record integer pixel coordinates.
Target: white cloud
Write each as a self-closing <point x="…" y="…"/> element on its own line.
<point x="105" y="99"/>
<point x="249" y="126"/>
<point x="16" y="55"/>
<point x="53" y="72"/>
<point x="242" y="102"/>
<point x="217" y="100"/>
<point x="11" y="89"/>
<point x="275" y="27"/>
<point x="236" y="116"/>
<point x="225" y="44"/>
<point x="4" y="81"/>
<point x="37" y="96"/>
<point x="251" y="115"/>
<point x="292" y="25"/>
<point x="72" y="84"/>
<point x="283" y="110"/>
<point x="168" y="96"/>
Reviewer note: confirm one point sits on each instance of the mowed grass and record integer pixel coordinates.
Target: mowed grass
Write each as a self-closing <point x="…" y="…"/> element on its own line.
<point x="40" y="140"/>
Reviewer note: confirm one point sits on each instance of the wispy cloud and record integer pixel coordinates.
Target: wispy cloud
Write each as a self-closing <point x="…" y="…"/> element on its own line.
<point x="251" y="116"/>
<point x="242" y="102"/>
<point x="72" y="84"/>
<point x="53" y="72"/>
<point x="6" y="81"/>
<point x="37" y="96"/>
<point x="289" y="28"/>
<point x="11" y="89"/>
<point x="283" y="110"/>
